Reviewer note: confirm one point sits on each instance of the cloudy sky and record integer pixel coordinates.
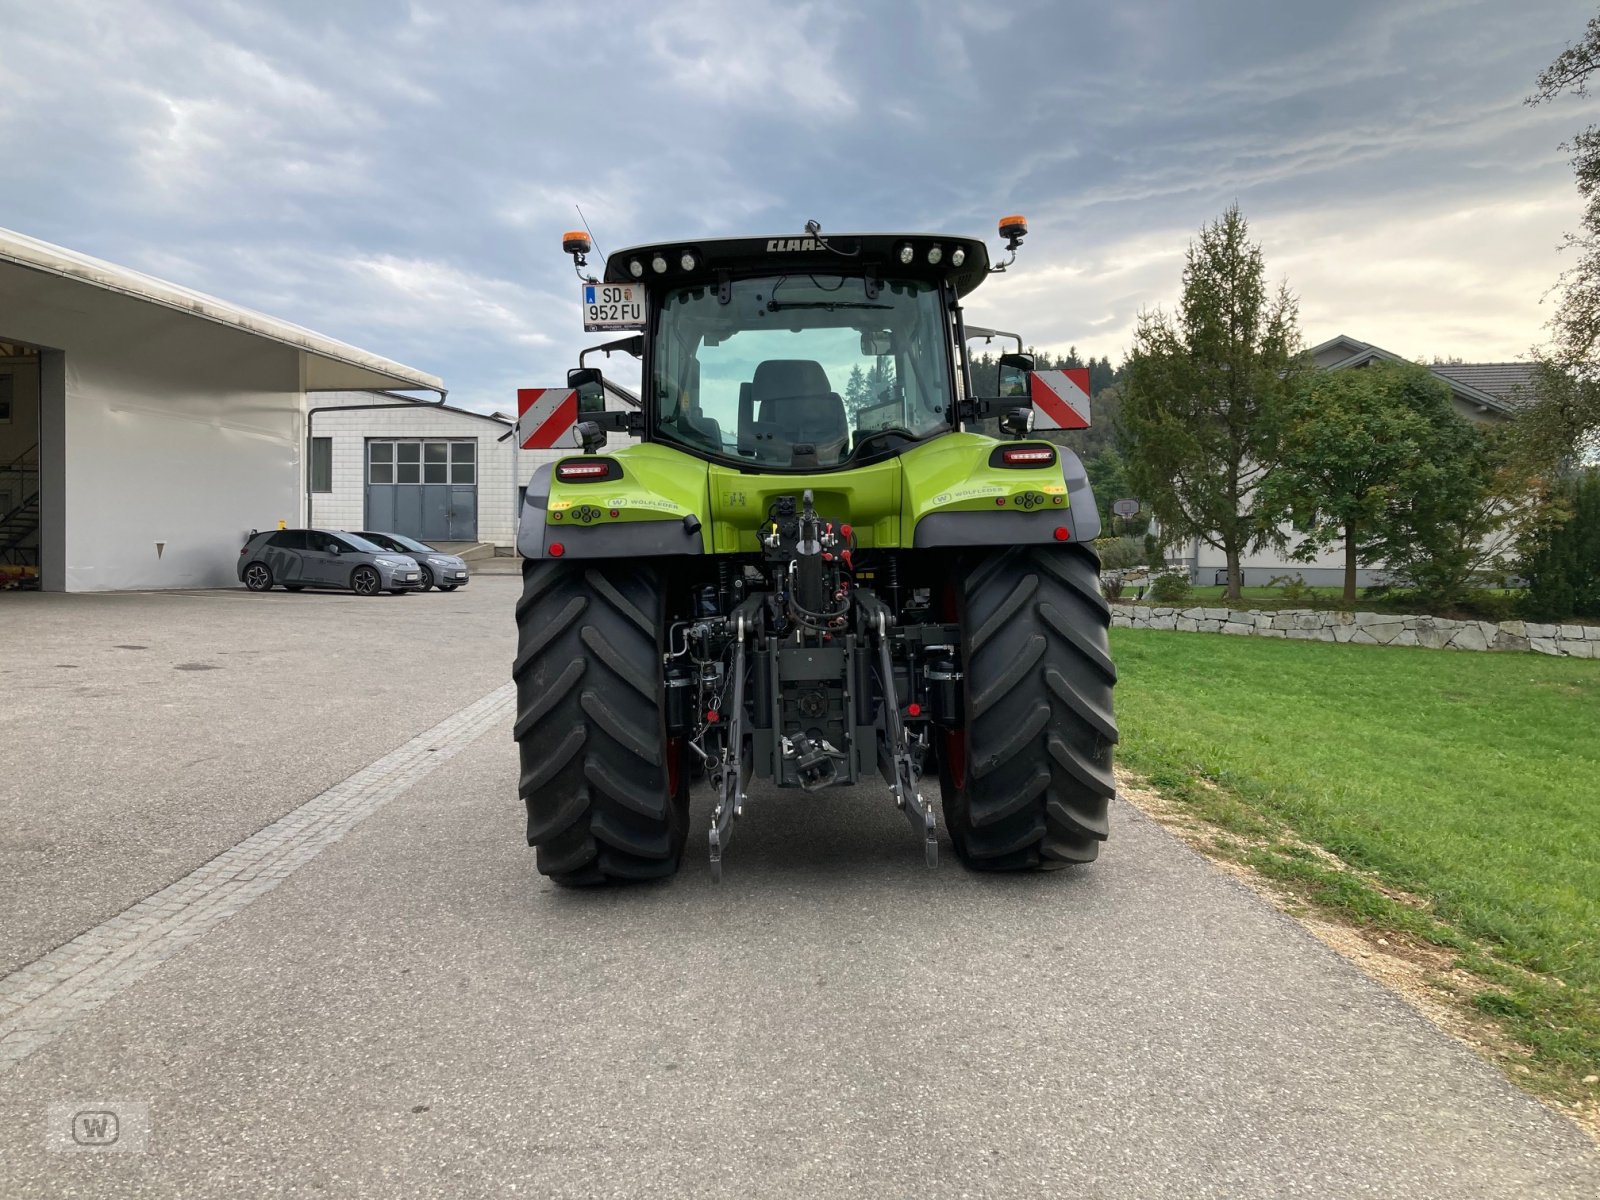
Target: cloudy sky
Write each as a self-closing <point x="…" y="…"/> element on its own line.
<point x="399" y="175"/>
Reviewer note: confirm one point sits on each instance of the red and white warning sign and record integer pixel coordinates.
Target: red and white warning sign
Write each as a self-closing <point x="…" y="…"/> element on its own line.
<point x="1061" y="399"/>
<point x="545" y="417"/>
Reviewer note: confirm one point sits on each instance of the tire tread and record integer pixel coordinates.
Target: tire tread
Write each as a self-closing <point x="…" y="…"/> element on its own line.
<point x="1039" y="721"/>
<point x="590" y="730"/>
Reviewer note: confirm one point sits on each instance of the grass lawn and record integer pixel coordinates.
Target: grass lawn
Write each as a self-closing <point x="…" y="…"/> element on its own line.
<point x="1471" y="781"/>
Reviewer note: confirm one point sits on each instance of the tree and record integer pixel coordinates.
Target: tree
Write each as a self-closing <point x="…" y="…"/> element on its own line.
<point x="1357" y="445"/>
<point x="1562" y="423"/>
<point x="1562" y="560"/>
<point x="1457" y="516"/>
<point x="855" y="391"/>
<point x="1203" y="394"/>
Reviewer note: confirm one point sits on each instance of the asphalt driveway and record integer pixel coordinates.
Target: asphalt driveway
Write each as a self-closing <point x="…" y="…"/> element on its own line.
<point x="410" y="1010"/>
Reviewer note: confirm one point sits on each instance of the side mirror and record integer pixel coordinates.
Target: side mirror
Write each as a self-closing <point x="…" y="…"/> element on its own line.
<point x="333" y="548"/>
<point x="591" y="389"/>
<point x="1014" y="372"/>
<point x="875" y="344"/>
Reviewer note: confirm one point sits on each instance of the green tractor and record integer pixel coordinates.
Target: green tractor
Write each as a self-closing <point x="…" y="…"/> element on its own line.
<point x="808" y="570"/>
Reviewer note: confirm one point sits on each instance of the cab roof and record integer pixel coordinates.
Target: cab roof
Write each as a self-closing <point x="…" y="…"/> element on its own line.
<point x="846" y="253"/>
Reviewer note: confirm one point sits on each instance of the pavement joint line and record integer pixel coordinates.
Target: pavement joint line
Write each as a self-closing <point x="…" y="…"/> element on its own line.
<point x="41" y="999"/>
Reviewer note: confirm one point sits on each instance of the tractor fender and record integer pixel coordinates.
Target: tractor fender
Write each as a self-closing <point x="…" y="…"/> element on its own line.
<point x="627" y="539"/>
<point x="1010" y="527"/>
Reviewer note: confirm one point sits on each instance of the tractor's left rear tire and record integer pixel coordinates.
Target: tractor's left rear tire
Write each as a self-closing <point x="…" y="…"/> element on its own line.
<point x="1028" y="781"/>
<point x="606" y="790"/>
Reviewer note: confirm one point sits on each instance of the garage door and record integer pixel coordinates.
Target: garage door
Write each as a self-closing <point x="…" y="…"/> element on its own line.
<point x="424" y="488"/>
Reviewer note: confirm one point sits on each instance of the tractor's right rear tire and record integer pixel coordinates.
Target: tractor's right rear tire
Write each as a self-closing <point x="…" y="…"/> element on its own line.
<point x="1028" y="781"/>
<point x="605" y="788"/>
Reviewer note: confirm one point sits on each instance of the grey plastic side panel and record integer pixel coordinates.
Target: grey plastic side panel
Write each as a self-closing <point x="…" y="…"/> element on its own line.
<point x="634" y="539"/>
<point x="1085" y="515"/>
<point x="990" y="529"/>
<point x="530" y="523"/>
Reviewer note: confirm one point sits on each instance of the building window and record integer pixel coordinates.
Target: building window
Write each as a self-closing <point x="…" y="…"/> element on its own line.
<point x="463" y="462"/>
<point x="423" y="461"/>
<point x="435" y="462"/>
<point x="322" y="464"/>
<point x="380" y="462"/>
<point x="408" y="462"/>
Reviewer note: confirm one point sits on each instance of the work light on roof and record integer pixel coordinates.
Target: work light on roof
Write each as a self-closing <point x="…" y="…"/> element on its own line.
<point x="957" y="256"/>
<point x="907" y="253"/>
<point x="635" y="268"/>
<point x="658" y="264"/>
<point x="935" y="253"/>
<point x="687" y="262"/>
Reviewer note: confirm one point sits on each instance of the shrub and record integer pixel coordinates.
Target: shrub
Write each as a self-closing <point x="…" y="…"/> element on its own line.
<point x="1119" y="553"/>
<point x="1111" y="585"/>
<point x="1562" y="561"/>
<point x="1294" y="588"/>
<point x="1170" y="587"/>
<point x="1153" y="554"/>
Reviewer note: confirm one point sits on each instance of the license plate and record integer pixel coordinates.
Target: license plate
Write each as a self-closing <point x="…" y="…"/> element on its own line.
<point x="613" y="306"/>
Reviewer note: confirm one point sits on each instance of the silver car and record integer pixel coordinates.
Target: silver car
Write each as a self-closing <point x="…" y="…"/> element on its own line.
<point x="438" y="568"/>
<point x="317" y="558"/>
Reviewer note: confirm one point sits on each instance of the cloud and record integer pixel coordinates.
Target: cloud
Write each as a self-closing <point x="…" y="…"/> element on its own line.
<point x="398" y="176"/>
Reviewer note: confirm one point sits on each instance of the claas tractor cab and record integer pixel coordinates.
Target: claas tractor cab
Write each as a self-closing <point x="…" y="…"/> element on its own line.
<point x="808" y="569"/>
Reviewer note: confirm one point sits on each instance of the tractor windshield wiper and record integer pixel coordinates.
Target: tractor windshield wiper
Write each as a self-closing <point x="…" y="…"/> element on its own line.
<point x="830" y="305"/>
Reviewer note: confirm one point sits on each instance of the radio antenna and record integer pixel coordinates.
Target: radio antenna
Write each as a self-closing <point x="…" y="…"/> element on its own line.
<point x="589" y="231"/>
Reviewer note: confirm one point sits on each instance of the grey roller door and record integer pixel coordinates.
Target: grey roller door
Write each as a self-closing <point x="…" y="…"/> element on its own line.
<point x="425" y="488"/>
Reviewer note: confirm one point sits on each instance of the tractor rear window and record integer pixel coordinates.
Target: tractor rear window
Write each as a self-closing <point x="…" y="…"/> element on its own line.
<point x="801" y="370"/>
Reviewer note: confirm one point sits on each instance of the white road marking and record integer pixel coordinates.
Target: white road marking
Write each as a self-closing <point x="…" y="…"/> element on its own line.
<point x="40" y="1000"/>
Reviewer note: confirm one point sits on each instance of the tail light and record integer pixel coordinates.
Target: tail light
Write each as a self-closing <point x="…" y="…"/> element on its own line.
<point x="1033" y="455"/>
<point x="586" y="470"/>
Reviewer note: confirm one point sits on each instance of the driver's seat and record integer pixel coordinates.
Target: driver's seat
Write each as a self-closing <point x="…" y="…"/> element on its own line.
<point x="792" y="400"/>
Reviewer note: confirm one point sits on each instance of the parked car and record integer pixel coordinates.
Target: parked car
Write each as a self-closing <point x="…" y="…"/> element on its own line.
<point x="318" y="558"/>
<point x="445" y="570"/>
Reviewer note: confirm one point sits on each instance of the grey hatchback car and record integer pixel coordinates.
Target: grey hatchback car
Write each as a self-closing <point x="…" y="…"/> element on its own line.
<point x="317" y="558"/>
<point x="445" y="571"/>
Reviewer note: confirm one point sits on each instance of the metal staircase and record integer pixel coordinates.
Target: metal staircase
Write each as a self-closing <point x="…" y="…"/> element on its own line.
<point x="19" y="480"/>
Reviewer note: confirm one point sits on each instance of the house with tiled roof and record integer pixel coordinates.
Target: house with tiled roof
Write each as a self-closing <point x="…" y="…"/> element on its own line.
<point x="1482" y="391"/>
<point x="1488" y="392"/>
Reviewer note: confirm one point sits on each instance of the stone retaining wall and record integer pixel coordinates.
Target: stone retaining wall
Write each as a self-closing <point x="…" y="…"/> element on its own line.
<point x="1368" y="629"/>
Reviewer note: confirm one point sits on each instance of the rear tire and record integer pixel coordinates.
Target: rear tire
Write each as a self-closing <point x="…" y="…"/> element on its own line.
<point x="606" y="791"/>
<point x="258" y="577"/>
<point x="1028" y="781"/>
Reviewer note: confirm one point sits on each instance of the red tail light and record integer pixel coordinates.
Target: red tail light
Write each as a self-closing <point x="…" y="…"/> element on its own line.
<point x="574" y="472"/>
<point x="1027" y="456"/>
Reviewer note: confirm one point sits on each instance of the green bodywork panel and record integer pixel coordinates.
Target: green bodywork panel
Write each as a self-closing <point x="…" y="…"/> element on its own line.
<point x="883" y="500"/>
<point x="952" y="474"/>
<point x="657" y="484"/>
